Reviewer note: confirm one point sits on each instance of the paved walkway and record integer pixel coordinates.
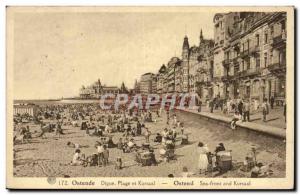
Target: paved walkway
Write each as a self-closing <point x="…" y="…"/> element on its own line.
<point x="275" y="124"/>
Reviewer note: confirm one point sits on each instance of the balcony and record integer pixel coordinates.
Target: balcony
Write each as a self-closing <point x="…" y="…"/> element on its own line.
<point x="279" y="41"/>
<point x="250" y="72"/>
<point x="202" y="70"/>
<point x="235" y="60"/>
<point x="244" y="53"/>
<point x="217" y="79"/>
<point x="226" y="63"/>
<point x="227" y="78"/>
<point x="254" y="50"/>
<point x="277" y="68"/>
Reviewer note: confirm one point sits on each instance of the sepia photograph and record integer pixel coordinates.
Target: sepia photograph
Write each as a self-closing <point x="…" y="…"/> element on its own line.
<point x="150" y="97"/>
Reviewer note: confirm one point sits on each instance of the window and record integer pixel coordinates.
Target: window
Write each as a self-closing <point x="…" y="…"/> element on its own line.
<point x="248" y="44"/>
<point x="256" y="87"/>
<point x="243" y="65"/>
<point x="266" y="38"/>
<point x="271" y="57"/>
<point x="265" y="59"/>
<point x="257" y="61"/>
<point x="272" y="30"/>
<point x="282" y="58"/>
<point x="248" y="91"/>
<point x="248" y="63"/>
<point x="257" y="40"/>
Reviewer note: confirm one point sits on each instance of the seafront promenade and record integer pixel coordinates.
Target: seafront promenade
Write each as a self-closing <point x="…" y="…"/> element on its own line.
<point x="274" y="126"/>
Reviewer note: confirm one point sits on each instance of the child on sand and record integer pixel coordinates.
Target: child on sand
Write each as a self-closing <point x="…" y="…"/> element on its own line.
<point x="186" y="173"/>
<point x="76" y="158"/>
<point x="105" y="155"/>
<point x="119" y="163"/>
<point x="100" y="150"/>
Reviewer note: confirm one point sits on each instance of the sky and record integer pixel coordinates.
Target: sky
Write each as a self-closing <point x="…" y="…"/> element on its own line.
<point x="56" y="53"/>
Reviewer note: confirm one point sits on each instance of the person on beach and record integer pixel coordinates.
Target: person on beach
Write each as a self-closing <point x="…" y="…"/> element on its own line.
<point x="164" y="135"/>
<point x="147" y="135"/>
<point x="120" y="144"/>
<point x="186" y="173"/>
<point x="76" y="145"/>
<point x="76" y="158"/>
<point x="203" y="161"/>
<point x="182" y="129"/>
<point x="138" y="128"/>
<point x="220" y="148"/>
<point x="100" y="150"/>
<point x="174" y="119"/>
<point x="105" y="155"/>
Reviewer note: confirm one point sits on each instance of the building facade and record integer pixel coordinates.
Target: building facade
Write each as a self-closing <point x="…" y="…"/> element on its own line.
<point x="95" y="90"/>
<point x="29" y="109"/>
<point x="161" y="76"/>
<point x="245" y="60"/>
<point x="251" y="62"/>
<point x="146" y="83"/>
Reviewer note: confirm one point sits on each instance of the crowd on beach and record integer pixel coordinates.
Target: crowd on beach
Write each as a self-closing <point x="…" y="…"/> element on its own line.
<point x="131" y="124"/>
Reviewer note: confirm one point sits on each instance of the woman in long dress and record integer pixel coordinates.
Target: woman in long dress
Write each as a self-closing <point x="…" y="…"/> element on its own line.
<point x="203" y="161"/>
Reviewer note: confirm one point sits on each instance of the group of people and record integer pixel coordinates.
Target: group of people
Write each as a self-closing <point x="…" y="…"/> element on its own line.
<point x="241" y="108"/>
<point x="126" y="126"/>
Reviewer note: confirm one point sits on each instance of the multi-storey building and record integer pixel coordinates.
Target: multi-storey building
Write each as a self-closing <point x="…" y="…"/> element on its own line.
<point x="185" y="65"/>
<point x="171" y="73"/>
<point x="154" y="84"/>
<point x="222" y="26"/>
<point x="196" y="62"/>
<point x="178" y="77"/>
<point x="136" y="87"/>
<point x="95" y="90"/>
<point x="253" y="65"/>
<point x="205" y="72"/>
<point x="146" y="83"/>
<point x="247" y="59"/>
<point x="160" y="84"/>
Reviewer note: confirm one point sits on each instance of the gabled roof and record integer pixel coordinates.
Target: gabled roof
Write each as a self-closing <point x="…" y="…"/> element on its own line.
<point x="162" y="69"/>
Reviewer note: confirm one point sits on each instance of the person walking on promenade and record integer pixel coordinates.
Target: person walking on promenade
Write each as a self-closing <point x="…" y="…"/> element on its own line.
<point x="265" y="110"/>
<point x="203" y="160"/>
<point x="199" y="105"/>
<point x="228" y="105"/>
<point x="246" y="109"/>
<point x="272" y="102"/>
<point x="211" y="106"/>
<point x="240" y="108"/>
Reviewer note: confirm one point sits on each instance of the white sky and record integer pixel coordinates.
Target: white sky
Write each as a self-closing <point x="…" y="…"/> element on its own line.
<point x="56" y="53"/>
